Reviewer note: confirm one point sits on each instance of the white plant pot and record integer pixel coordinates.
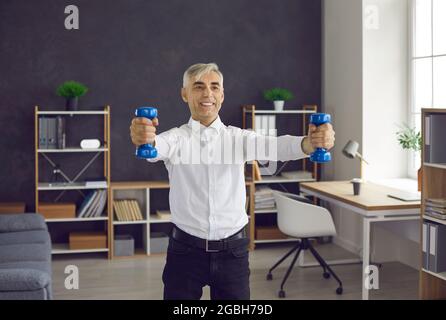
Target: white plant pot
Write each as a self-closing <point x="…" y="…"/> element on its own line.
<point x="278" y="105"/>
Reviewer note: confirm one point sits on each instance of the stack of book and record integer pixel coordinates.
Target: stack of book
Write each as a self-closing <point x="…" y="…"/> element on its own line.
<point x="127" y="210"/>
<point x="93" y="204"/>
<point x="96" y="183"/>
<point x="264" y="198"/>
<point x="302" y="175"/>
<point x="163" y="214"/>
<point x="436" y="208"/>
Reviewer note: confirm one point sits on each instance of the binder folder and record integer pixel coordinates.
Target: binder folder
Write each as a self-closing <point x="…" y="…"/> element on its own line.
<point x="437" y="252"/>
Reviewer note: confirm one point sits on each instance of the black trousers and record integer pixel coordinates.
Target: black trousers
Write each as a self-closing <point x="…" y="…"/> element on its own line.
<point x="188" y="269"/>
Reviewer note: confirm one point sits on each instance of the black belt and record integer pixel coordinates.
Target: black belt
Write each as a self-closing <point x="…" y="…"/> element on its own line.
<point x="234" y="241"/>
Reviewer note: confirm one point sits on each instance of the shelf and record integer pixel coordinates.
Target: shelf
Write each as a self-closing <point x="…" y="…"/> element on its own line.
<point x="267" y="210"/>
<point x="426" y="217"/>
<point x="438" y="275"/>
<point x="86" y="112"/>
<point x="257" y="111"/>
<point x="64" y="248"/>
<point x="435" y="165"/>
<point x="279" y="179"/>
<point x="275" y="240"/>
<point x="135" y="185"/>
<point x="139" y="253"/>
<point x="66" y="150"/>
<point x="130" y="222"/>
<point x="77" y="219"/>
<point x="65" y="186"/>
<point x="155" y="219"/>
<point x="43" y="181"/>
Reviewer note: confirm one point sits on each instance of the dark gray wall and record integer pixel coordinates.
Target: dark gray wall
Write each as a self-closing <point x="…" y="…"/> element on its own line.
<point x="133" y="52"/>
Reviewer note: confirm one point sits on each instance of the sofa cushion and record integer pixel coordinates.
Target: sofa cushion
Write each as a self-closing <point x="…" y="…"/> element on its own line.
<point x="25" y="252"/>
<point x="43" y="266"/>
<point x="23" y="279"/>
<point x="22" y="237"/>
<point x="21" y="222"/>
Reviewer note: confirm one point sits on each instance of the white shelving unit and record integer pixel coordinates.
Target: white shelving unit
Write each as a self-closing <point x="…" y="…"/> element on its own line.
<point x="267" y="210"/>
<point x="67" y="186"/>
<point x="280" y="179"/>
<point x="69" y="150"/>
<point x="249" y="112"/>
<point x="139" y="191"/>
<point x="275" y="241"/>
<point x="86" y="112"/>
<point x="77" y="219"/>
<point x="130" y="222"/>
<point x="64" y="248"/>
<point x="73" y="184"/>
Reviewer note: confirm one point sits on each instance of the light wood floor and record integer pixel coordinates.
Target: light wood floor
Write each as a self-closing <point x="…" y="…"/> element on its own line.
<point x="100" y="278"/>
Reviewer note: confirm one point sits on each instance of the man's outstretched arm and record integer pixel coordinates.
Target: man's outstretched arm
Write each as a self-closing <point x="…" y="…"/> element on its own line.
<point x="287" y="147"/>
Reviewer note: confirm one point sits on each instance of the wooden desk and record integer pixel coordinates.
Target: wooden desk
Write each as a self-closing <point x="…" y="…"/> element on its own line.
<point x="372" y="204"/>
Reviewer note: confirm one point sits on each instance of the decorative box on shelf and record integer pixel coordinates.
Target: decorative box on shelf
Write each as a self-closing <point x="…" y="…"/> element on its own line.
<point x="124" y="245"/>
<point x="87" y="240"/>
<point x="159" y="242"/>
<point x="57" y="210"/>
<point x="269" y="233"/>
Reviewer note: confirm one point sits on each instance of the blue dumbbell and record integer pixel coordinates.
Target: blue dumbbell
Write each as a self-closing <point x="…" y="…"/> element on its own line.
<point x="320" y="155"/>
<point x="146" y="151"/>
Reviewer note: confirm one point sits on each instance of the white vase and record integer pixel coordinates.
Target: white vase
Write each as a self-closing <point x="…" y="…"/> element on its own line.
<point x="278" y="105"/>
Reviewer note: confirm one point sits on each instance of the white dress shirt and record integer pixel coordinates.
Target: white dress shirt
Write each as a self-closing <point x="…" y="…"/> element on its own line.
<point x="207" y="193"/>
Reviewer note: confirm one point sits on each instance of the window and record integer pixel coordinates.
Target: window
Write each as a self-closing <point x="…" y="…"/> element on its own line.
<point x="428" y="64"/>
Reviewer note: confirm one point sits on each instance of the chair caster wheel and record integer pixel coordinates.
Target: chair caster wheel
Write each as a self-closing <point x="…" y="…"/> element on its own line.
<point x="339" y="290"/>
<point x="269" y="276"/>
<point x="281" y="294"/>
<point x="326" y="275"/>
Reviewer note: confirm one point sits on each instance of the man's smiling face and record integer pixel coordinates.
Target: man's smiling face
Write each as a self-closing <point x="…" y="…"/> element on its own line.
<point x="204" y="97"/>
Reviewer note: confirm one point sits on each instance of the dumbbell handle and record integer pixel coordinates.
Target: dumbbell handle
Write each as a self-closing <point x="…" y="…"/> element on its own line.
<point x="146" y="151"/>
<point x="320" y="155"/>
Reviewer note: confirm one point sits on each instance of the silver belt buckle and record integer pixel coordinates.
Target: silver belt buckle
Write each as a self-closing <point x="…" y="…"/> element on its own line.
<point x="207" y="247"/>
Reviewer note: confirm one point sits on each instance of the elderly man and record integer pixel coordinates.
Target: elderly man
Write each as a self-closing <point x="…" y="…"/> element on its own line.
<point x="208" y="244"/>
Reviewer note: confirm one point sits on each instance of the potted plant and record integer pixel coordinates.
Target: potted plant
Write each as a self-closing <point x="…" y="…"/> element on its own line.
<point x="278" y="96"/>
<point x="410" y="139"/>
<point x="72" y="90"/>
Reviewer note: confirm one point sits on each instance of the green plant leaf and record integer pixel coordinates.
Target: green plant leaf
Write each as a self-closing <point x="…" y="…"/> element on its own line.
<point x="71" y="89"/>
<point x="409" y="138"/>
<point x="277" y="94"/>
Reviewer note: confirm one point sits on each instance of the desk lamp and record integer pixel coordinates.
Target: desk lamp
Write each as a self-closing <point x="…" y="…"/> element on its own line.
<point x="351" y="151"/>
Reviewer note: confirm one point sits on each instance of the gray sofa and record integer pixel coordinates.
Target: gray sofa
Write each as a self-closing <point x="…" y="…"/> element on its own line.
<point x="25" y="257"/>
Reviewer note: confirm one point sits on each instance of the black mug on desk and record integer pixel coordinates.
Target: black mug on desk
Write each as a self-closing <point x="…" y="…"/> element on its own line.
<point x="356" y="186"/>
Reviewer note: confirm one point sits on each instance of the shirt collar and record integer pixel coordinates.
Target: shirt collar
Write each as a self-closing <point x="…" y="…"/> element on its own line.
<point x="217" y="124"/>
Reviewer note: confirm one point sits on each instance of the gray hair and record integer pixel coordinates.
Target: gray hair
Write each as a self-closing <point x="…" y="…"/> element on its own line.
<point x="197" y="70"/>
